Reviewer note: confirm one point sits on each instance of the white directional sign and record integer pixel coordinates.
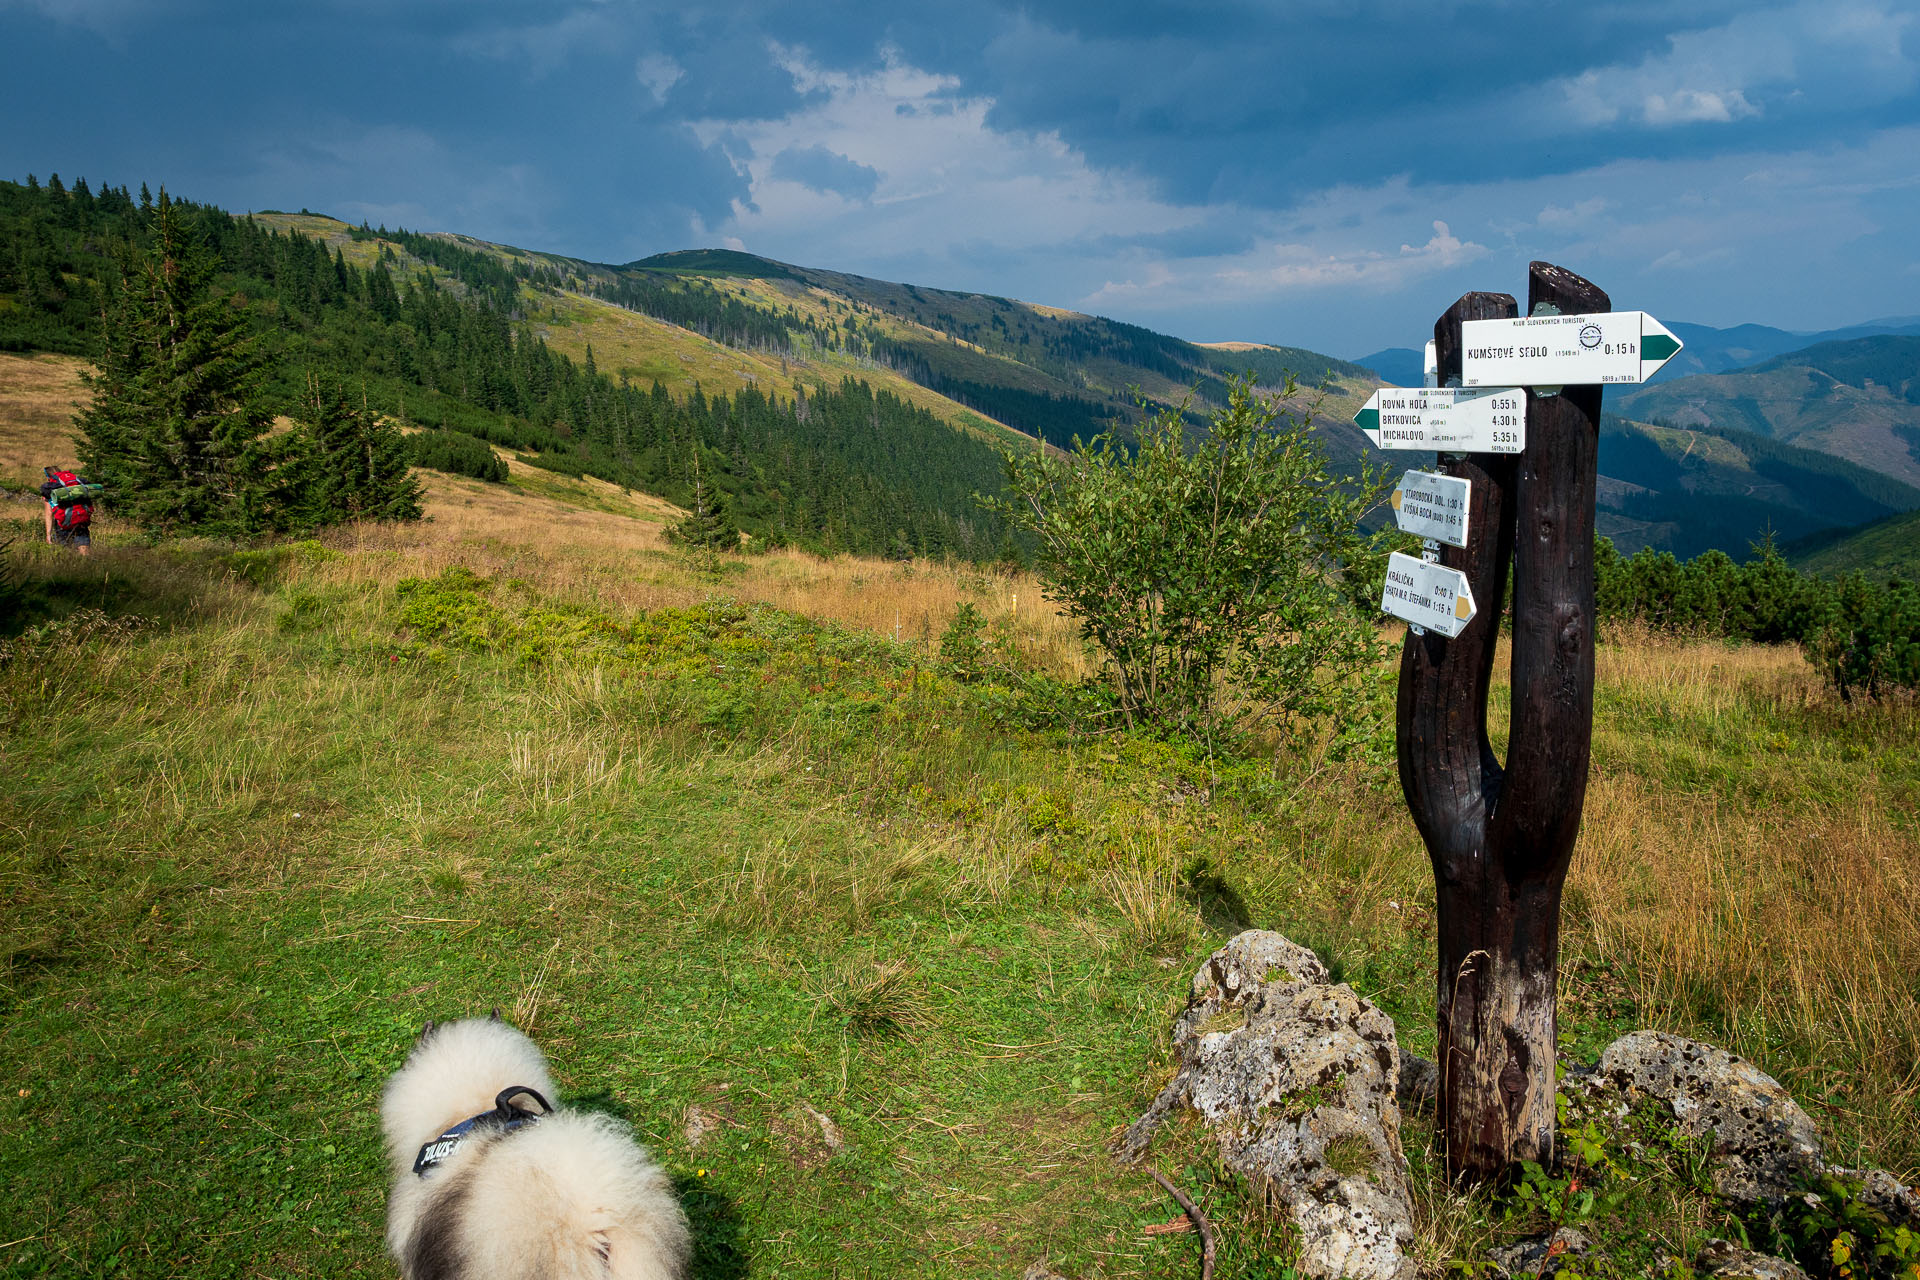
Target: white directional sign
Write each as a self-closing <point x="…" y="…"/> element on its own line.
<point x="1434" y="506"/>
<point x="1560" y="351"/>
<point x="1446" y="419"/>
<point x="1427" y="595"/>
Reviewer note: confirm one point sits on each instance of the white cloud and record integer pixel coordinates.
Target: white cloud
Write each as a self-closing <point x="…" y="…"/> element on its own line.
<point x="967" y="206"/>
<point x="108" y="19"/>
<point x="1839" y="53"/>
<point x="945" y="177"/>
<point x="659" y="73"/>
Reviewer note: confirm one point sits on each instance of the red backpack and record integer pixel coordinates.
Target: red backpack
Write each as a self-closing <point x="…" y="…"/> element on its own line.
<point x="70" y="517"/>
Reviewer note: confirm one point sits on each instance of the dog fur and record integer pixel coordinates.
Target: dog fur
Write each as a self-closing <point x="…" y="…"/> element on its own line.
<point x="570" y="1198"/>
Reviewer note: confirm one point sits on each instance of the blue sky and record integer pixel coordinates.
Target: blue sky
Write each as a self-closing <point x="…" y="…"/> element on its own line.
<point x="1328" y="174"/>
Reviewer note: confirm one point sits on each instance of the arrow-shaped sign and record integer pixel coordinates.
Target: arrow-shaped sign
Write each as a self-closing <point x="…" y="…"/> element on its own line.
<point x="1427" y="594"/>
<point x="1448" y="419"/>
<point x="1429" y="505"/>
<point x="1560" y="351"/>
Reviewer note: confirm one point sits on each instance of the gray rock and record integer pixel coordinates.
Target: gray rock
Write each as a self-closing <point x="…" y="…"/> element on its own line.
<point x="1541" y="1255"/>
<point x="1764" y="1145"/>
<point x="1418" y="1088"/>
<point x="1296" y="1079"/>
<point x="1725" y="1258"/>
<point x="1881" y="1190"/>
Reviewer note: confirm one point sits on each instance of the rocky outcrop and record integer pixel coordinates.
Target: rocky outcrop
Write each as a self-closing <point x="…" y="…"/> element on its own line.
<point x="1295" y="1078"/>
<point x="1882" y="1191"/>
<point x="1418" y="1088"/>
<point x="1724" y="1258"/>
<point x="1541" y="1255"/>
<point x="1764" y="1146"/>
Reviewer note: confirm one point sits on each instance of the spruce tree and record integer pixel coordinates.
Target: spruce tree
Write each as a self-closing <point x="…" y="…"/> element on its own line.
<point x="347" y="464"/>
<point x="708" y="526"/>
<point x="176" y="419"/>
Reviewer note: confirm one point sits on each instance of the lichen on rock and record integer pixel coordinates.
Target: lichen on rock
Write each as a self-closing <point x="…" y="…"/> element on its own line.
<point x="1298" y="1092"/>
<point x="1764" y="1145"/>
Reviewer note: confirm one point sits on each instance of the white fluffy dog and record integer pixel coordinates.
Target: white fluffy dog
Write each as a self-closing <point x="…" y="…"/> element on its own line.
<point x="492" y="1182"/>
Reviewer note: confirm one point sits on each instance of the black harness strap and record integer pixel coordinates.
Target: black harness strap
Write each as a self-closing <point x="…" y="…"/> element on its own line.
<point x="505" y="1117"/>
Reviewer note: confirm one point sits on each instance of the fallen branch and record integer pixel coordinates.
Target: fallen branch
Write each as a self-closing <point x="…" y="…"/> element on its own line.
<point x="1199" y="1220"/>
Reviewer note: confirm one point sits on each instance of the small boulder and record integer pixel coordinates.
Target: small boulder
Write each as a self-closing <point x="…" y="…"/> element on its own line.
<point x="1882" y="1191"/>
<point x="1725" y="1258"/>
<point x="1418" y="1089"/>
<point x="1296" y="1080"/>
<point x="1764" y="1145"/>
<point x="1542" y="1255"/>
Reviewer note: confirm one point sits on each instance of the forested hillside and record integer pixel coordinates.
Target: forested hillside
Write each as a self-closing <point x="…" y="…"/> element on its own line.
<point x="1857" y="399"/>
<point x="1689" y="490"/>
<point x="437" y="334"/>
<point x="1887" y="546"/>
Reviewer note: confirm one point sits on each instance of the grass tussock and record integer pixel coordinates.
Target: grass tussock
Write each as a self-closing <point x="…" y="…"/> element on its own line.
<point x="874" y="997"/>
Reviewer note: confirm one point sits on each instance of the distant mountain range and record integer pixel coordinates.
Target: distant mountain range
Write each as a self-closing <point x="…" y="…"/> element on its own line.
<point x="1857" y="399"/>
<point x="1706" y="349"/>
<point x="1688" y="490"/>
<point x="751" y="375"/>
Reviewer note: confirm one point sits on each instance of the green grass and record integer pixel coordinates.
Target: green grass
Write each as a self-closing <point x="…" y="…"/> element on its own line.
<point x="246" y="861"/>
<point x="716" y="858"/>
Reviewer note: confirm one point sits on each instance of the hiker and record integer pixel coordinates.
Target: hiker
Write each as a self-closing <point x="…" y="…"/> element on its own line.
<point x="69" y="509"/>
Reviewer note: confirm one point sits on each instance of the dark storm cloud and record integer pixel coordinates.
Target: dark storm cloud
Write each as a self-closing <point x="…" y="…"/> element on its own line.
<point x="827" y="172"/>
<point x="1321" y="131"/>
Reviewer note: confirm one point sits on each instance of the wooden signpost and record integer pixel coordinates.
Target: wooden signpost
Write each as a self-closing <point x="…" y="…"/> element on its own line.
<point x="1500" y="834"/>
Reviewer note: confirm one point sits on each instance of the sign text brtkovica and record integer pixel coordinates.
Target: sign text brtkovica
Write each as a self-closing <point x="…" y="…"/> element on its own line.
<point x="1446" y="419"/>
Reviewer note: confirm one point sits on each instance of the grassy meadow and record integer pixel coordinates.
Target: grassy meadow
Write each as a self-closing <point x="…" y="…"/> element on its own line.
<point x="877" y="960"/>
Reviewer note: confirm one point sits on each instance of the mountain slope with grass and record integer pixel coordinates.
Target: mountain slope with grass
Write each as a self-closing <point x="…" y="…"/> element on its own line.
<point x="744" y="847"/>
<point x="1691" y="490"/>
<point x="1857" y="399"/>
<point x="1886" y="547"/>
<point x="820" y="408"/>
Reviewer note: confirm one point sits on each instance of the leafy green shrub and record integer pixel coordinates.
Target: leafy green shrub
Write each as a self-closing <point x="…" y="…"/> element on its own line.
<point x="1214" y="579"/>
<point x="264" y="566"/>
<point x="1863" y="638"/>
<point x="1832" y="1232"/>
<point x="1764" y="600"/>
<point x="456" y="453"/>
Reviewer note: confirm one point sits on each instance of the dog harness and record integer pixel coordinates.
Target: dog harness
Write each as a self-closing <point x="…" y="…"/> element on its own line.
<point x="505" y="1116"/>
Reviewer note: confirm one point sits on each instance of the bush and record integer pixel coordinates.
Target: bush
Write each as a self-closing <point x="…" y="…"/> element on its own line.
<point x="1863" y="638"/>
<point x="1217" y="579"/>
<point x="457" y="453"/>
<point x="1871" y="644"/>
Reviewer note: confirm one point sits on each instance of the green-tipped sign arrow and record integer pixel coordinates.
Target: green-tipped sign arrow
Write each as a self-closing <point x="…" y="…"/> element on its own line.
<point x="1446" y="419"/>
<point x="1561" y="351"/>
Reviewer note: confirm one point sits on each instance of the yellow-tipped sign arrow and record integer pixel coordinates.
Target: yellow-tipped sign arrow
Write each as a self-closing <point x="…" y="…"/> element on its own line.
<point x="1427" y="594"/>
<point x="1430" y="505"/>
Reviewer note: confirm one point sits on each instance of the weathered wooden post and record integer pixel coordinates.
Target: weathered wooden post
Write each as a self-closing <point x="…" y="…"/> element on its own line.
<point x="1501" y="836"/>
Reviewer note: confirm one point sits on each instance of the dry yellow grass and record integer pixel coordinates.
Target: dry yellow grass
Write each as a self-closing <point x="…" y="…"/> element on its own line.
<point x="621" y="561"/>
<point x="37" y="398"/>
